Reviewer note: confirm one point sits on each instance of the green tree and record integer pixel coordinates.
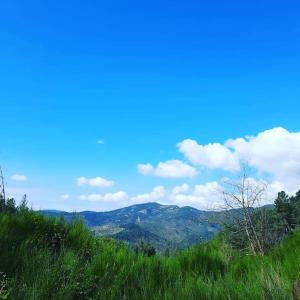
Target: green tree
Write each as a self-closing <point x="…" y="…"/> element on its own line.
<point x="2" y="203"/>
<point x="296" y="205"/>
<point x="23" y="206"/>
<point x="10" y="205"/>
<point x="285" y="206"/>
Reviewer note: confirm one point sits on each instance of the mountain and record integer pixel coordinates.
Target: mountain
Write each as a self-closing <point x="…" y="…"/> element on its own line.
<point x="164" y="226"/>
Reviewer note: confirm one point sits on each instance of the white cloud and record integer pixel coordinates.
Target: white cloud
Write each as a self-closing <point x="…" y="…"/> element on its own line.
<point x="100" y="142"/>
<point x="168" y="169"/>
<point x="96" y="181"/>
<point x="212" y="156"/>
<point x="65" y="196"/>
<point x="145" y="169"/>
<point x="273" y="189"/>
<point x="121" y="198"/>
<point x="275" y="152"/>
<point x="207" y="190"/>
<point x="108" y="197"/>
<point x="159" y="192"/>
<point x="204" y="196"/>
<point x="207" y="196"/>
<point x="18" y="177"/>
<point x="181" y="189"/>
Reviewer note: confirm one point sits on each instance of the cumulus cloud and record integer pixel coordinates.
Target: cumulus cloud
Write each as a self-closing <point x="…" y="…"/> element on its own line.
<point x="65" y="196"/>
<point x="168" y="169"/>
<point x="18" y="177"/>
<point x="204" y="196"/>
<point x="181" y="189"/>
<point x="108" y="197"/>
<point x="208" y="196"/>
<point x="159" y="192"/>
<point x="145" y="169"/>
<point x="275" y="151"/>
<point x="121" y="198"/>
<point x="212" y="156"/>
<point x="96" y="182"/>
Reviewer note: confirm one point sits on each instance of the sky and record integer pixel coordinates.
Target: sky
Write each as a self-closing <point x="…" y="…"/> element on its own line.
<point x="105" y="104"/>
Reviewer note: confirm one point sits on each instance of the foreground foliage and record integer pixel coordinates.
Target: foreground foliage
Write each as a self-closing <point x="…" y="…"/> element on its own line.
<point x="45" y="258"/>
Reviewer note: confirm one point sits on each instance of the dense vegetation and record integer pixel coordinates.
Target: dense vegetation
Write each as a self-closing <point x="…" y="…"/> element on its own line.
<point x="46" y="258"/>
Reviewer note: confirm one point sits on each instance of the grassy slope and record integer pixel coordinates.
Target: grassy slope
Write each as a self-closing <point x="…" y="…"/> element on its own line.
<point x="44" y="258"/>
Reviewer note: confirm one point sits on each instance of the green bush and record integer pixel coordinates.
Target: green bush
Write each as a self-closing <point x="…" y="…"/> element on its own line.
<point x="46" y="258"/>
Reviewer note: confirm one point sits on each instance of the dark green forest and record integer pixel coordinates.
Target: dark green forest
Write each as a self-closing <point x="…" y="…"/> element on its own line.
<point x="44" y="257"/>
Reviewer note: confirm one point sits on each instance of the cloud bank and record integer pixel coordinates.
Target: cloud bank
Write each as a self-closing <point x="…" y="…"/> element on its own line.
<point x="275" y="152"/>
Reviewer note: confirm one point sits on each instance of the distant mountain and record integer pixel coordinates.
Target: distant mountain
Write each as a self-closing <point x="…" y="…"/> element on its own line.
<point x="164" y="226"/>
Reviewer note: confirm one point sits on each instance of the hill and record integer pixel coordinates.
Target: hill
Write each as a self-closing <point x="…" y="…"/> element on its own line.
<point x="164" y="226"/>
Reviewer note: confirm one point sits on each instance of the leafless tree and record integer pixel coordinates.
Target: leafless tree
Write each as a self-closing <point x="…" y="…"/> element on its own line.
<point x="2" y="191"/>
<point x="2" y="184"/>
<point x="241" y="197"/>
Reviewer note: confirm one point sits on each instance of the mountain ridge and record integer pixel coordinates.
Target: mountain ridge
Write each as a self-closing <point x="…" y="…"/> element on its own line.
<point x="164" y="226"/>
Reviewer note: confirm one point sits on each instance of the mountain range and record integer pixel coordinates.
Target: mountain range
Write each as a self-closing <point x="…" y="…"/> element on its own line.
<point x="163" y="226"/>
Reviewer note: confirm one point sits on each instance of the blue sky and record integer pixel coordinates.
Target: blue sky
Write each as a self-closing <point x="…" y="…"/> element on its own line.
<point x="143" y="77"/>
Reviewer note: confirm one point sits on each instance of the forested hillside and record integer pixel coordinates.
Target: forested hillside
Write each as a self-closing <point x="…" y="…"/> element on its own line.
<point x="167" y="227"/>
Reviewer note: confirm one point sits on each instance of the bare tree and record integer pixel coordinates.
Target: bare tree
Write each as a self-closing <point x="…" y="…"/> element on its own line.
<point x="2" y="191"/>
<point x="2" y="184"/>
<point x="241" y="197"/>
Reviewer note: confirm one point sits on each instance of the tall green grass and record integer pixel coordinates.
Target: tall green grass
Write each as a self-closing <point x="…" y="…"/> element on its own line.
<point x="45" y="258"/>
